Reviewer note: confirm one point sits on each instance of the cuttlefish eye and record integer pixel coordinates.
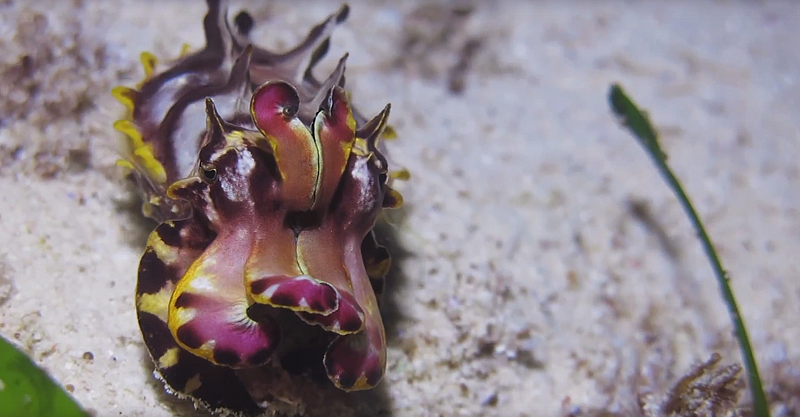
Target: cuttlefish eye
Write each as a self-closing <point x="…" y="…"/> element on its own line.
<point x="209" y="174"/>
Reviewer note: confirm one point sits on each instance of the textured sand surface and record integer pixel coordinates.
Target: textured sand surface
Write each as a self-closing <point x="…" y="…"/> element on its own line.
<point x="544" y="268"/>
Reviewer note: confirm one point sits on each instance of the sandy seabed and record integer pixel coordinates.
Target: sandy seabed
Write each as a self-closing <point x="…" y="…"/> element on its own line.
<point x="543" y="268"/>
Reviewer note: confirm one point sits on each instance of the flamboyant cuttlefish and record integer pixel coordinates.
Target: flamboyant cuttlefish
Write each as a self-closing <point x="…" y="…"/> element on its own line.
<point x="267" y="184"/>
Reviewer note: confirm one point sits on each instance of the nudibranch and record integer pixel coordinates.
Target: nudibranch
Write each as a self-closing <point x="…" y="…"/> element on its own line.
<point x="267" y="185"/>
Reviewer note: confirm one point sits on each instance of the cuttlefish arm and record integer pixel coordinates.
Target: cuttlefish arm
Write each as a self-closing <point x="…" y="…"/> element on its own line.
<point x="208" y="309"/>
<point x="357" y="360"/>
<point x="334" y="135"/>
<point x="274" y="107"/>
<point x="310" y="167"/>
<point x="171" y="249"/>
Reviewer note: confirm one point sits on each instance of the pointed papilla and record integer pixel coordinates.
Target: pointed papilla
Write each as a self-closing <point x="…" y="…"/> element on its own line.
<point x="334" y="128"/>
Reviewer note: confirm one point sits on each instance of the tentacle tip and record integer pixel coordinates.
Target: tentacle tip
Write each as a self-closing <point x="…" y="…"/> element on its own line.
<point x="349" y="383"/>
<point x="343" y="13"/>
<point x="348" y="318"/>
<point x="271" y="98"/>
<point x="352" y="364"/>
<point x="372" y="130"/>
<point x="299" y="294"/>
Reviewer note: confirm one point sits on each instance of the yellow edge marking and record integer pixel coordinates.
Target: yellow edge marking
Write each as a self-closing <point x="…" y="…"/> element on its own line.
<point x="361" y="384"/>
<point x="360" y="147"/>
<point x="169" y="358"/>
<point x="166" y="253"/>
<point x="233" y="140"/>
<point x="351" y="121"/>
<point x="156" y="304"/>
<point x="178" y="316"/>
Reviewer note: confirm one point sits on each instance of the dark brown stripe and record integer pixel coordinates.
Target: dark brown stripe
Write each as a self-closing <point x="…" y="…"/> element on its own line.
<point x="185" y="234"/>
<point x="154" y="274"/>
<point x="156" y="334"/>
<point x="374" y="375"/>
<point x="226" y="357"/>
<point x="346" y="381"/>
<point x="377" y="286"/>
<point x="260" y="357"/>
<point x="187" y="299"/>
<point x="219" y="386"/>
<point x="189" y="337"/>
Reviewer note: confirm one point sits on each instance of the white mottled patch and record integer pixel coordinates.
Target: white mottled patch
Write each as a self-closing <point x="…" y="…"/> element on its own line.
<point x="363" y="176"/>
<point x="184" y="315"/>
<point x="231" y="191"/>
<point x="303" y="303"/>
<point x="361" y="170"/>
<point x="208" y="262"/>
<point x="2" y="385"/>
<point x="187" y="136"/>
<point x="203" y="283"/>
<point x="245" y="164"/>
<point x="236" y="189"/>
<point x="270" y="291"/>
<point x="209" y="210"/>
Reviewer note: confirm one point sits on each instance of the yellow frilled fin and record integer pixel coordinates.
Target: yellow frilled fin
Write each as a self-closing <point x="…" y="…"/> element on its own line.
<point x="124" y="163"/>
<point x="392" y="199"/>
<point x="185" y="49"/>
<point x="127" y="127"/>
<point x="149" y="62"/>
<point x="389" y="133"/>
<point x="143" y="151"/>
<point x="126" y="96"/>
<point x="400" y="175"/>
